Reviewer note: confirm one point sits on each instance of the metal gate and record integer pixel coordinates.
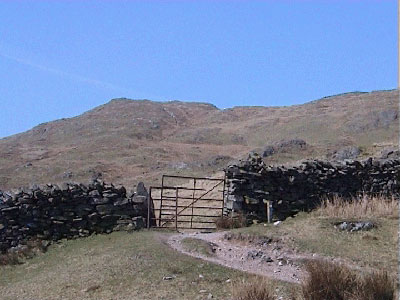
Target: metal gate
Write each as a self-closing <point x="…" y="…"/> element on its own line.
<point x="185" y="202"/>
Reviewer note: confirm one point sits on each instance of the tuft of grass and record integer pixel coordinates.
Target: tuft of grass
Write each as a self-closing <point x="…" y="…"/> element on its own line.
<point x="225" y="222"/>
<point x="378" y="285"/>
<point x="361" y="206"/>
<point x="255" y="289"/>
<point x="199" y="246"/>
<point x="334" y="281"/>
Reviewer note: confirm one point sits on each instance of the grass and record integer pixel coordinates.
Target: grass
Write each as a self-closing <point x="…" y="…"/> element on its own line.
<point x="337" y="282"/>
<point x="325" y="281"/>
<point x="310" y="233"/>
<point x="116" y="266"/>
<point x="198" y="246"/>
<point x="257" y="288"/>
<point x="361" y="206"/>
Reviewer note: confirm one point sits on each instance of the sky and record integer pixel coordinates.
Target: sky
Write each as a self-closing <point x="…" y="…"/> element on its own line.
<point x="59" y="59"/>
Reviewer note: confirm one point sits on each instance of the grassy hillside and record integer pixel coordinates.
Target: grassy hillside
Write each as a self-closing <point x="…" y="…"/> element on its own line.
<point x="130" y="140"/>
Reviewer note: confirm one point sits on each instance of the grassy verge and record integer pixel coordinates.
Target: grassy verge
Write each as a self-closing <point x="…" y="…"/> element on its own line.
<point x="310" y="233"/>
<point x="115" y="266"/>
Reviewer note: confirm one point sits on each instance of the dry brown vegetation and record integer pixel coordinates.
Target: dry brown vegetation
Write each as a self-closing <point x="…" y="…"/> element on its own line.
<point x="325" y="280"/>
<point x="227" y="222"/>
<point x="361" y="206"/>
<point x="257" y="288"/>
<point x="337" y="282"/>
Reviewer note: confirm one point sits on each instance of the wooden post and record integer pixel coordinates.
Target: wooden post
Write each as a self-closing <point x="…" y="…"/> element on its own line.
<point x="176" y="209"/>
<point x="161" y="200"/>
<point x="269" y="211"/>
<point x="223" y="195"/>
<point x="148" y="208"/>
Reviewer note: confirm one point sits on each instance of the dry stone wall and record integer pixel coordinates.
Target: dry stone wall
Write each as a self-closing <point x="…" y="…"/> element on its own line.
<point x="291" y="189"/>
<point x="53" y="212"/>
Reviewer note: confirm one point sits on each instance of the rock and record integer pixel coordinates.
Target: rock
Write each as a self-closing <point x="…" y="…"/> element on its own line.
<point x="91" y="288"/>
<point x="168" y="278"/>
<point x="350" y="152"/>
<point x="268" y="151"/>
<point x="105" y="209"/>
<point x="355" y="226"/>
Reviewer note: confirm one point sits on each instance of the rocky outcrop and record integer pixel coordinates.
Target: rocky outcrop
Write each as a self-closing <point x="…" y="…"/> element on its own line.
<point x="284" y="146"/>
<point x="349" y="152"/>
<point x="250" y="183"/>
<point x="53" y="212"/>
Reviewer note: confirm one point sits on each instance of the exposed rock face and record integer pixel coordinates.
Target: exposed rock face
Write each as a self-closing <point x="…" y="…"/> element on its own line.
<point x="349" y="152"/>
<point x="53" y="212"/>
<point x="250" y="183"/>
<point x="390" y="153"/>
<point x="284" y="146"/>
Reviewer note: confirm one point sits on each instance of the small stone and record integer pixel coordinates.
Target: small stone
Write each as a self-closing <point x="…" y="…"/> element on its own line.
<point x="168" y="278"/>
<point x="91" y="288"/>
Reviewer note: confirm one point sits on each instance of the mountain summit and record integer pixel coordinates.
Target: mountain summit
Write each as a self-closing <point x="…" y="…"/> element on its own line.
<point x="125" y="141"/>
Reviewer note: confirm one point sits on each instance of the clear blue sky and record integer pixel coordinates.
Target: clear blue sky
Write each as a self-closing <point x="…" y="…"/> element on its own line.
<point x="59" y="59"/>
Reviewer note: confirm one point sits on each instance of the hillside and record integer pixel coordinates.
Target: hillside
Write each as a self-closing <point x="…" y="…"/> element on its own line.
<point x="127" y="141"/>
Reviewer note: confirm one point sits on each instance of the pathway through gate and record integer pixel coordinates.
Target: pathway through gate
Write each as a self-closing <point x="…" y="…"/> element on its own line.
<point x="184" y="202"/>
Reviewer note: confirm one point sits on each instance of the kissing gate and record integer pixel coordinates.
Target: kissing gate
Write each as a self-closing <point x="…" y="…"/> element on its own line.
<point x="184" y="202"/>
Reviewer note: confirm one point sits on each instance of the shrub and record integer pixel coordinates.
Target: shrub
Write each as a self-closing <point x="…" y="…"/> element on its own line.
<point x="225" y="222"/>
<point x="337" y="282"/>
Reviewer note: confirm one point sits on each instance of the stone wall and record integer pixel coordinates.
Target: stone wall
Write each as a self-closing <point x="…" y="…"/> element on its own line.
<point x="292" y="189"/>
<point x="52" y="212"/>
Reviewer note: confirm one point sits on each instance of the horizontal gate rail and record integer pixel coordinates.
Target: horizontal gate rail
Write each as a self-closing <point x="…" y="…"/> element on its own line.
<point x="167" y="207"/>
<point x="191" y="177"/>
<point x="175" y="205"/>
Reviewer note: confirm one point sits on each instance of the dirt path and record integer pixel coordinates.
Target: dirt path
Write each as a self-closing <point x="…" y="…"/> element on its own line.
<point x="270" y="259"/>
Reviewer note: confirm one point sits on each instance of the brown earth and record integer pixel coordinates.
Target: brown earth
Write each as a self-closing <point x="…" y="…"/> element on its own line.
<point x="127" y="141"/>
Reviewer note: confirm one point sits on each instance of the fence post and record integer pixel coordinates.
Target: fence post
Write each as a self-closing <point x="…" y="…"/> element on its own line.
<point x="176" y="209"/>
<point x="148" y="208"/>
<point x="269" y="211"/>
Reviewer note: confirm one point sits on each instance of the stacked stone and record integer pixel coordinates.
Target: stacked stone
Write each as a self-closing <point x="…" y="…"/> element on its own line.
<point x="53" y="212"/>
<point x="251" y="183"/>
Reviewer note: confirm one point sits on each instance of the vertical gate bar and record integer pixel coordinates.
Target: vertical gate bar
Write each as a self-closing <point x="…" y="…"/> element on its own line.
<point x="161" y="200"/>
<point x="194" y="191"/>
<point x="223" y="195"/>
<point x="148" y="208"/>
<point x="176" y="209"/>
